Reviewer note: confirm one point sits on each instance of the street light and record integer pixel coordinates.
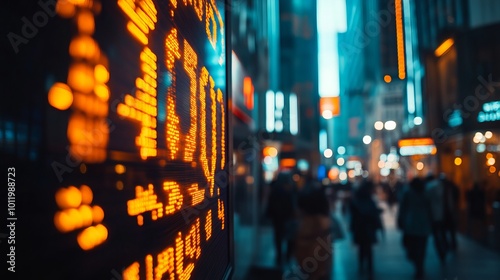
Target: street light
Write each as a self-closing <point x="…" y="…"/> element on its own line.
<point x="367" y="139"/>
<point x="390" y="125"/>
<point x="328" y="153"/>
<point x="379" y="125"/>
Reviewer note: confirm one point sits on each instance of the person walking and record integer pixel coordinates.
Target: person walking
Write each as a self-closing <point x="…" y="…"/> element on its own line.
<point x="435" y="193"/>
<point x="365" y="222"/>
<point x="314" y="237"/>
<point x="451" y="200"/>
<point x="415" y="221"/>
<point x="281" y="210"/>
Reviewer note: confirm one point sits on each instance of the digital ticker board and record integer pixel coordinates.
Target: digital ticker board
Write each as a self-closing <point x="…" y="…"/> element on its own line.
<point x="119" y="155"/>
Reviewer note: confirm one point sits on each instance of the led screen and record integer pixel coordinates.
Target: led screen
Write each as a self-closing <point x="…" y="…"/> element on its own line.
<point x="114" y="139"/>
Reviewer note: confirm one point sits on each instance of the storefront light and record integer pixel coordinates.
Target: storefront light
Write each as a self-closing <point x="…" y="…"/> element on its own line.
<point x="481" y="148"/>
<point x="420" y="165"/>
<point x="488" y="134"/>
<point x="367" y="139"/>
<point x="340" y="161"/>
<point x="491" y="161"/>
<point x="493" y="169"/>
<point x="458" y="161"/>
<point x="328" y="153"/>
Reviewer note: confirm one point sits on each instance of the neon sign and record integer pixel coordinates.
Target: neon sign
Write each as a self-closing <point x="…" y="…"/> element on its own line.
<point x="490" y="112"/>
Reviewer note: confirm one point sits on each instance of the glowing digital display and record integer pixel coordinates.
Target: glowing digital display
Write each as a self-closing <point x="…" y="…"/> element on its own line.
<point x="136" y="181"/>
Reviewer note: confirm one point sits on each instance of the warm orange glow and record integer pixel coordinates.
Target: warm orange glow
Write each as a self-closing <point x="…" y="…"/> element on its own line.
<point x="458" y="161"/>
<point x="489" y="155"/>
<point x="85" y="22"/>
<point x="387" y="78"/>
<point x="196" y="194"/>
<point x="142" y="107"/>
<point x="144" y="201"/>
<point x="434" y="151"/>
<point x="288" y="162"/>
<point x="101" y="74"/>
<point x="85" y="47"/>
<point x="175" y="198"/>
<point x="208" y="225"/>
<point x="60" y="96"/>
<point x="420" y="165"/>
<point x="102" y="92"/>
<point x="221" y="213"/>
<point x="97" y="214"/>
<point x="248" y="92"/>
<point x="63" y="222"/>
<point x="81" y="77"/>
<point x="190" y="66"/>
<point x="400" y="39"/>
<point x="492" y="169"/>
<point x="444" y="47"/>
<point x="88" y="137"/>
<point x="132" y="272"/>
<point x="333" y="174"/>
<point x="223" y="129"/>
<point x="415" y="142"/>
<point x="68" y="197"/>
<point x="330" y="104"/>
<point x="86" y="215"/>
<point x="87" y="194"/>
<point x="120" y="169"/>
<point x="65" y="9"/>
<point x="270" y="151"/>
<point x="92" y="236"/>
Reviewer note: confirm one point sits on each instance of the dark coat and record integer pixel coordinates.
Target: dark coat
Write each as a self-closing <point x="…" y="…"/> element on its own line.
<point x="365" y="219"/>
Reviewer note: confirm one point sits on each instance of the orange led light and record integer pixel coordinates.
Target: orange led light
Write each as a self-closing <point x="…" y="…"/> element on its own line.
<point x="190" y="66"/>
<point x="85" y="22"/>
<point x="143" y="107"/>
<point x="144" y="201"/>
<point x="400" y="39"/>
<point x="444" y="47"/>
<point x="90" y="237"/>
<point x="223" y="129"/>
<point x="101" y="74"/>
<point x="220" y="212"/>
<point x="65" y="9"/>
<point x="132" y="272"/>
<point x="60" y="96"/>
<point x="69" y="197"/>
<point x="84" y="46"/>
<point x="208" y="225"/>
<point x="81" y="77"/>
<point x="175" y="198"/>
<point x="196" y="194"/>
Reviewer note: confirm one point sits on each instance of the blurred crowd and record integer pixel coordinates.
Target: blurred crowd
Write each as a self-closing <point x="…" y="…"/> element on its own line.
<point x="302" y="213"/>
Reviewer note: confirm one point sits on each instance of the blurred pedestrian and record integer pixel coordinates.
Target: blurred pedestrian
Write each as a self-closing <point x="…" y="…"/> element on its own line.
<point x="365" y="222"/>
<point x="436" y="196"/>
<point x="281" y="209"/>
<point x="476" y="203"/>
<point x="451" y="200"/>
<point x="392" y="189"/>
<point x="313" y="243"/>
<point x="415" y="221"/>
